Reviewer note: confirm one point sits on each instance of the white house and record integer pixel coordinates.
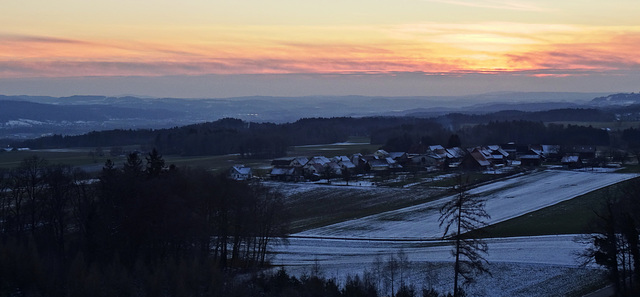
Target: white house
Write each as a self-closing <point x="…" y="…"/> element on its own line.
<point x="239" y="172"/>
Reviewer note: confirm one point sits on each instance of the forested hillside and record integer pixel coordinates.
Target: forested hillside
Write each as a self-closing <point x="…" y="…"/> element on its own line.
<point x="268" y="140"/>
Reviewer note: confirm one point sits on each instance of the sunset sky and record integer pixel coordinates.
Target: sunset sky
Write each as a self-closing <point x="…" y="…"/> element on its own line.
<point x="200" y="48"/>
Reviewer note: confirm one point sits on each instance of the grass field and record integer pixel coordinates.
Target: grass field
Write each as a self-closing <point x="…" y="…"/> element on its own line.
<point x="348" y="148"/>
<point x="80" y="156"/>
<point x="325" y="205"/>
<point x="569" y="217"/>
<point x="77" y="157"/>
<point x="602" y="125"/>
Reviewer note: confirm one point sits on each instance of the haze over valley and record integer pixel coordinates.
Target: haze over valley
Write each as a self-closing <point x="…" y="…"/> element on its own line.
<point x="33" y="116"/>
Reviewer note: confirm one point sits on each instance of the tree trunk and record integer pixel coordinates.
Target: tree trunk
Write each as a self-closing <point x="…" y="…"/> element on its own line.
<point x="457" y="264"/>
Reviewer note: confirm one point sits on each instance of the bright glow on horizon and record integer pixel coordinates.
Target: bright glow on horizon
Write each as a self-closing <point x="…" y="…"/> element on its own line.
<point x="72" y="38"/>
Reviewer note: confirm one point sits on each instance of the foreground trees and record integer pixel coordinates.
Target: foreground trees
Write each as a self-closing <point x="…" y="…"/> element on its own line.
<point x="615" y="241"/>
<point x="460" y="216"/>
<point x="142" y="227"/>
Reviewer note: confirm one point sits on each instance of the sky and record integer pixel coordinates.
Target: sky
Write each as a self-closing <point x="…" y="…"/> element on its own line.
<point x="213" y="48"/>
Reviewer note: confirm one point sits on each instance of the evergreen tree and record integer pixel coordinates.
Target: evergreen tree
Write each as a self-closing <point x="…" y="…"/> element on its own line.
<point x="155" y="164"/>
<point x="454" y="141"/>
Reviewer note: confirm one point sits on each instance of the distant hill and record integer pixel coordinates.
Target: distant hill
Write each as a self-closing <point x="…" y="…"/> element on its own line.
<point x="26" y="119"/>
<point x="17" y="110"/>
<point x="32" y="116"/>
<point x="455" y="120"/>
<point x="617" y="99"/>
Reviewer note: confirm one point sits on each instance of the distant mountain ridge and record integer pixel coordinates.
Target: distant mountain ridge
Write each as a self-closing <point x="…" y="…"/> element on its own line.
<point x="617" y="99"/>
<point x="32" y="116"/>
<point x="15" y="110"/>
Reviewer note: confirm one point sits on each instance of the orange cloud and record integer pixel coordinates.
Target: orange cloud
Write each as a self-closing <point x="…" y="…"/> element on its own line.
<point x="421" y="48"/>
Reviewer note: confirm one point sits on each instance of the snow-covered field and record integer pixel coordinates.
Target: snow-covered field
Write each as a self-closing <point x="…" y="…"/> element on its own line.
<point x="506" y="199"/>
<point x="523" y="266"/>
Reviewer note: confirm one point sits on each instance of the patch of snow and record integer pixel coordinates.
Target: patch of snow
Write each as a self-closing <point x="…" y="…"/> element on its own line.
<point x="505" y="199"/>
<point x="521" y="266"/>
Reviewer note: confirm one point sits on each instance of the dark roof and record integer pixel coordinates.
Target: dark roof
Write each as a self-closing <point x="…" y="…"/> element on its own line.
<point x="530" y="157"/>
<point x="580" y="149"/>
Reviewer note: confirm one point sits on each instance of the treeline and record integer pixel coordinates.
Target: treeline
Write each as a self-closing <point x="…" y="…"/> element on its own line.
<point x="615" y="238"/>
<point x="281" y="284"/>
<point x="525" y="132"/>
<point x="228" y="136"/>
<point x="142" y="228"/>
<point x="268" y="140"/>
<point x="457" y="120"/>
<point x="415" y="138"/>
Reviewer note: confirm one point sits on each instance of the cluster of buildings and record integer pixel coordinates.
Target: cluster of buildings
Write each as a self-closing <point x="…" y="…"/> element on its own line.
<point x="434" y="158"/>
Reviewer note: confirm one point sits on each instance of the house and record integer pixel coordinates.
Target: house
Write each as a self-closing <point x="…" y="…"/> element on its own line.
<point x="536" y="149"/>
<point x="378" y="165"/>
<point x="423" y="160"/>
<point x="532" y="160"/>
<point x="551" y="152"/>
<point x="381" y="154"/>
<point x="399" y="157"/>
<point x="455" y="154"/>
<point x="320" y="160"/>
<point x="392" y="163"/>
<point x="363" y="161"/>
<point x="239" y="172"/>
<point x="571" y="161"/>
<point x="346" y="165"/>
<point x="497" y="152"/>
<point x="298" y="162"/>
<point x="440" y="151"/>
<point x="338" y="159"/>
<point x="511" y="149"/>
<point x="313" y="169"/>
<point x="334" y="167"/>
<point x="584" y="151"/>
<point x="284" y="174"/>
<point x="282" y="162"/>
<point x="355" y="159"/>
<point x="475" y="160"/>
<point x="492" y="154"/>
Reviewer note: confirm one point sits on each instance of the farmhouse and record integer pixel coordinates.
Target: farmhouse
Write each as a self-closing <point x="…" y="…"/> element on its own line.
<point x="285" y="174"/>
<point x="475" y="160"/>
<point x="428" y="159"/>
<point x="532" y="160"/>
<point x="320" y="160"/>
<point x="569" y="161"/>
<point x="584" y="151"/>
<point x="239" y="172"/>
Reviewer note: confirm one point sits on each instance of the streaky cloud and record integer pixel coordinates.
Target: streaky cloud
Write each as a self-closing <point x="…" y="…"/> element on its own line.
<point x="493" y="4"/>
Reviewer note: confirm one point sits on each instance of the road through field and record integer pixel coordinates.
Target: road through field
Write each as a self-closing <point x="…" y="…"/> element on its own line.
<point x="505" y="199"/>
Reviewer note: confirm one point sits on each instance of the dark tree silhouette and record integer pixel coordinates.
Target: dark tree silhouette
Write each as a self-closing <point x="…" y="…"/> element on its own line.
<point x="614" y="238"/>
<point x="346" y="175"/>
<point x="454" y="141"/>
<point x="460" y="216"/>
<point x="155" y="163"/>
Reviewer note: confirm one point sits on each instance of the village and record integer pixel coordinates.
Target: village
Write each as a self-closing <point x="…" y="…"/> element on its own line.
<point x="434" y="158"/>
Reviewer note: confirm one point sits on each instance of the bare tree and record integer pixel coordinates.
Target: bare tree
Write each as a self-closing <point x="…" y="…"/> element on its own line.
<point x="30" y="177"/>
<point x="5" y="204"/>
<point x="391" y="268"/>
<point x="460" y="216"/>
<point x="614" y="238"/>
